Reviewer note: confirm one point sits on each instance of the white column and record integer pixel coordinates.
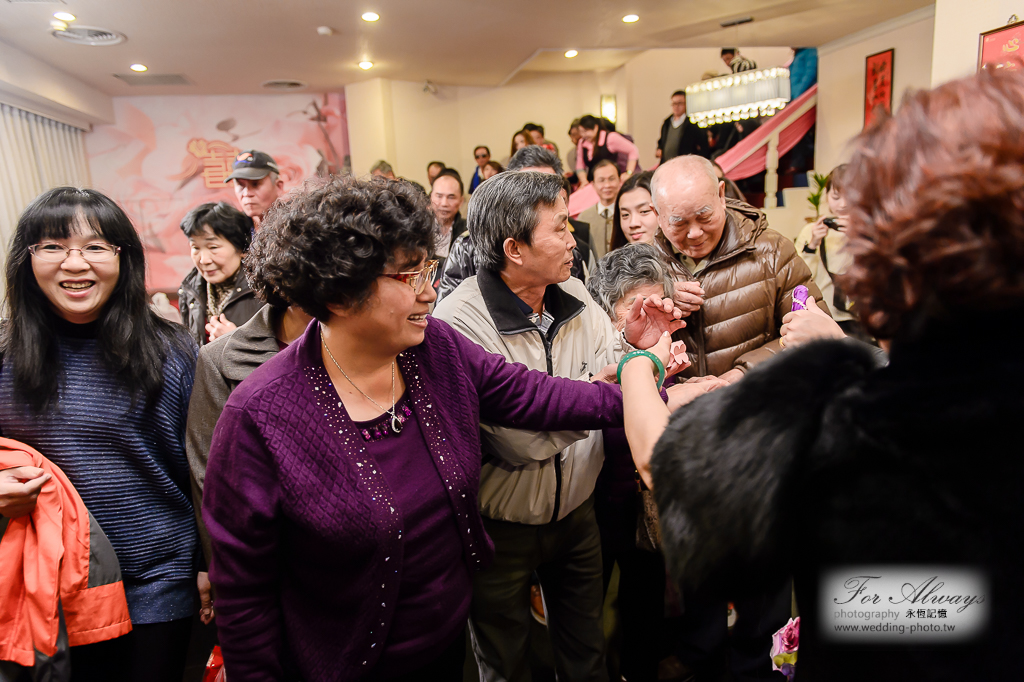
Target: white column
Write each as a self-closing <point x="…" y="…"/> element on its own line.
<point x="771" y="177"/>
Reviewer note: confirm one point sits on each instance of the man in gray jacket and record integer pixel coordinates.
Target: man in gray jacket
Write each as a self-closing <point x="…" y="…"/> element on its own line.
<point x="536" y="488"/>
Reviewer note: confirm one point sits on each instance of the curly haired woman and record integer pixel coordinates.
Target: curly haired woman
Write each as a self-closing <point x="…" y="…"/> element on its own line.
<point x="341" y="493"/>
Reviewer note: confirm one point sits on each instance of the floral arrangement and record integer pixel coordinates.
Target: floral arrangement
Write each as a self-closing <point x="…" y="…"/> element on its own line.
<point x="784" y="645"/>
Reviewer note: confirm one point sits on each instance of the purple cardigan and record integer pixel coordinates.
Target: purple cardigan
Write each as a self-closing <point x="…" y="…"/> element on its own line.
<point x="307" y="546"/>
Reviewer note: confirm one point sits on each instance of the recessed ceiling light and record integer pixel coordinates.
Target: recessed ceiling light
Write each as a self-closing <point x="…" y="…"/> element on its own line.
<point x="365" y="66"/>
<point x="570" y="54"/>
<point x="631" y="18"/>
<point x="139" y="67"/>
<point x="58" y="25"/>
<point x="370" y="16"/>
<point x="64" y="16"/>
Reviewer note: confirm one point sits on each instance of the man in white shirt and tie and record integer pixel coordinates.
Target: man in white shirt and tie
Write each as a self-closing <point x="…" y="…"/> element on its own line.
<point x="606" y="184"/>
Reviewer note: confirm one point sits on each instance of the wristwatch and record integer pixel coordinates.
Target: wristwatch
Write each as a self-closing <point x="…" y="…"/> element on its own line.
<point x="808" y="249"/>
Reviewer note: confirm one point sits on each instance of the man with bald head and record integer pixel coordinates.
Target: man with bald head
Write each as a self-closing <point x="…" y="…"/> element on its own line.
<point x="747" y="273"/>
<point x="747" y="270"/>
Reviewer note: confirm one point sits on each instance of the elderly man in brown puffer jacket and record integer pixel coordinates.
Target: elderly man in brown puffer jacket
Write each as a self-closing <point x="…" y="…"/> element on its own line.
<point x="747" y="270"/>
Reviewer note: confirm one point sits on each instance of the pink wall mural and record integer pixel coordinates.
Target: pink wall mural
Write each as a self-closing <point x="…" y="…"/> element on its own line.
<point x="165" y="155"/>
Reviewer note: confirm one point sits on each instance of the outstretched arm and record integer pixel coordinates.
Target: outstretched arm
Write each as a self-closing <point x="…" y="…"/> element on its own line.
<point x="645" y="414"/>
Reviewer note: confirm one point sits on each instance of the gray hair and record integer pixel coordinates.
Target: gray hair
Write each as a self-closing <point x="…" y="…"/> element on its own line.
<point x="505" y="207"/>
<point x="681" y="164"/>
<point x="533" y="156"/>
<point x="382" y="166"/>
<point x="625" y="269"/>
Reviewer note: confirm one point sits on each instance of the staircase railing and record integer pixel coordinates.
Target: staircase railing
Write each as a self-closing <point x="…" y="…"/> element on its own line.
<point x="760" y="151"/>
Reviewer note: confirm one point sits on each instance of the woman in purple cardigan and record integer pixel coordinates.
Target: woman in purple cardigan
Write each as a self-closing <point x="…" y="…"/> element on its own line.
<point x="341" y="494"/>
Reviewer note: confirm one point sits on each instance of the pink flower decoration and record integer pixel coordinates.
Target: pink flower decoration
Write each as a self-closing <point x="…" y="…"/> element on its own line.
<point x="786" y="640"/>
<point x="677" y="358"/>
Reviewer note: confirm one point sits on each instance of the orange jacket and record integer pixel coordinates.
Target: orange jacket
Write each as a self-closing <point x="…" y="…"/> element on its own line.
<point x="56" y="557"/>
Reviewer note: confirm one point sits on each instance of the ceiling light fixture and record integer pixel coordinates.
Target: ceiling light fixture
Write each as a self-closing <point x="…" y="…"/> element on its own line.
<point x="570" y="54"/>
<point x="370" y="16"/>
<point x="139" y="67"/>
<point x="58" y="25"/>
<point x="365" y="66"/>
<point x="64" y="16"/>
<point x="742" y="96"/>
<point x="631" y="18"/>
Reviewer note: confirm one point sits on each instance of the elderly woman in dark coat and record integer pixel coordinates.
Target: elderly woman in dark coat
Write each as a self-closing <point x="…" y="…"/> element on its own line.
<point x="215" y="298"/>
<point x="341" y="493"/>
<point x="864" y="481"/>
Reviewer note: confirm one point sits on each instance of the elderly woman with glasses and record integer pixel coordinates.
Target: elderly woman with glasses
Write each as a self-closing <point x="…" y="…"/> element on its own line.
<point x="628" y="272"/>
<point x="341" y="493"/>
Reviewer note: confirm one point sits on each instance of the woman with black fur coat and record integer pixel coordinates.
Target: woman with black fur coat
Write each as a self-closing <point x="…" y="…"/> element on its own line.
<point x="823" y="462"/>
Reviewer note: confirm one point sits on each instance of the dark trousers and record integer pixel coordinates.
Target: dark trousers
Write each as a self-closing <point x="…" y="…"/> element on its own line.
<point x="566" y="555"/>
<point x="641" y="608"/>
<point x="707" y="647"/>
<point x="154" y="653"/>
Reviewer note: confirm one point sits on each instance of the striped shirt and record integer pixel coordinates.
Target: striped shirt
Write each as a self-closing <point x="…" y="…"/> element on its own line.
<point x="127" y="463"/>
<point x="741" y="63"/>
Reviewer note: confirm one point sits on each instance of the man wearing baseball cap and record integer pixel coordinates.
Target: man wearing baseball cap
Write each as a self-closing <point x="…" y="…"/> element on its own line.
<point x="257" y="183"/>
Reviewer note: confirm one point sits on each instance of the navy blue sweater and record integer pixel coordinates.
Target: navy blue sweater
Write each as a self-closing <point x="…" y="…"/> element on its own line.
<point x="127" y="463"/>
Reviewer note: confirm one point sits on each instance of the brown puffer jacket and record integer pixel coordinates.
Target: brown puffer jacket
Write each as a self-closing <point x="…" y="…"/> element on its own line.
<point x="748" y="287"/>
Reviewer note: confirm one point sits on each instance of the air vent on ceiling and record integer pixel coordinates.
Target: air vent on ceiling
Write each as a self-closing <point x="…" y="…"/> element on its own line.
<point x="89" y="35"/>
<point x="285" y="84"/>
<point x="37" y="2"/>
<point x="152" y="78"/>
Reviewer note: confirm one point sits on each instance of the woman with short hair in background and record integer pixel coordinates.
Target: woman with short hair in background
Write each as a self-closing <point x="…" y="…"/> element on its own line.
<point x="215" y="298"/>
<point x="99" y="384"/>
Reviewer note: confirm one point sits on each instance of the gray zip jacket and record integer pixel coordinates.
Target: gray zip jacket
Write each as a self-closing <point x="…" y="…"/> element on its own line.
<point x="536" y="477"/>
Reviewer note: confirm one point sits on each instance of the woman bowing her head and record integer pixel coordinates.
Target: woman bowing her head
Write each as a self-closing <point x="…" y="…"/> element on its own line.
<point x="341" y="493"/>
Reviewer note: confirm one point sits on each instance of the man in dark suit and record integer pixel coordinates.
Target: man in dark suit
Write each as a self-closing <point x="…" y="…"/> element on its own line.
<point x="679" y="137"/>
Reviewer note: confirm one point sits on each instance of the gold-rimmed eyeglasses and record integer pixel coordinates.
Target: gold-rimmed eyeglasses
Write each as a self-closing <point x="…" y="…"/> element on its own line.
<point x="417" y="279"/>
<point x="58" y="253"/>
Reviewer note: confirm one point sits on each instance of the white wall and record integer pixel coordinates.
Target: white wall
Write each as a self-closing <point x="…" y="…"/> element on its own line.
<point x="370" y="128"/>
<point x="958" y="25"/>
<point x="399" y="122"/>
<point x="654" y="75"/>
<point x="841" y="70"/>
<point x="35" y="86"/>
<point x="491" y="116"/>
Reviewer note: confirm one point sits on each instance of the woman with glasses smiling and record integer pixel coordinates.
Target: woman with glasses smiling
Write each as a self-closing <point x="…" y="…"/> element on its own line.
<point x="341" y="493"/>
<point x="100" y="385"/>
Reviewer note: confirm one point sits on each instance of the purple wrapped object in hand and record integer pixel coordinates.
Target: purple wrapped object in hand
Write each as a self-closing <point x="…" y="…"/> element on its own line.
<point x="800" y="295"/>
